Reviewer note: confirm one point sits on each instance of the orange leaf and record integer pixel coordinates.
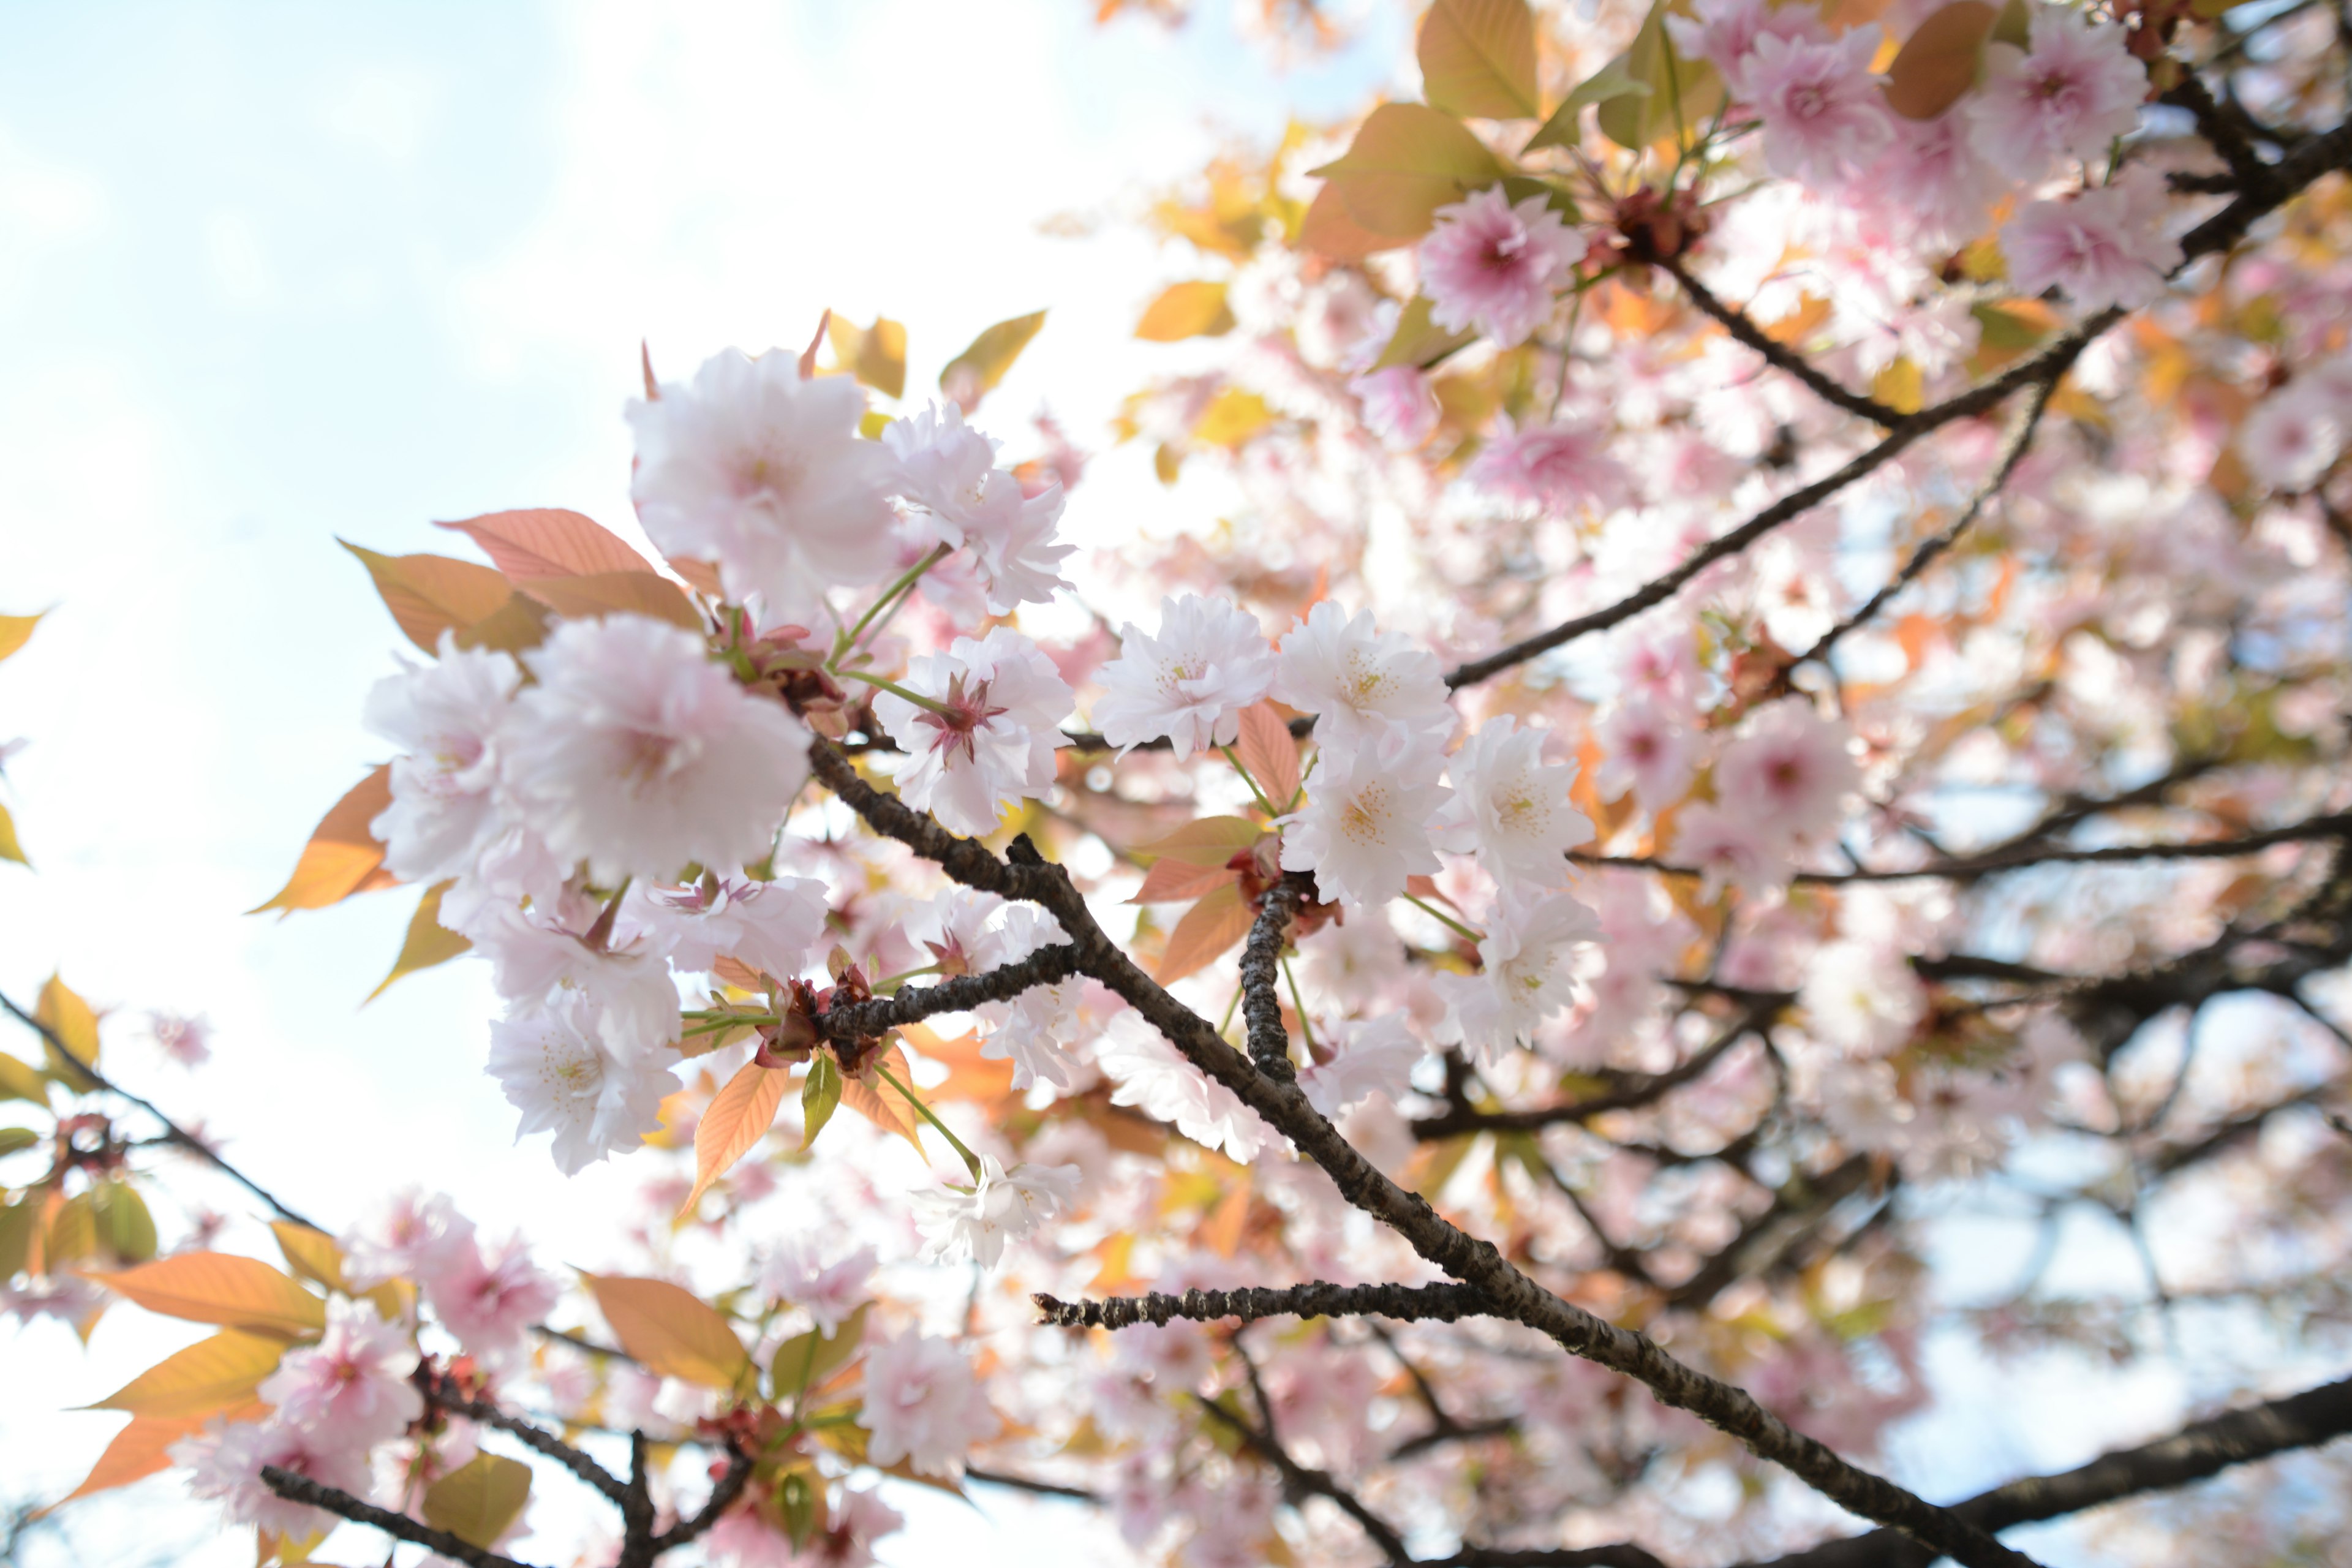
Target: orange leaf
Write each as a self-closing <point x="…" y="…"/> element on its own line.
<point x="609" y="593"/>
<point x="700" y="575"/>
<point x="1221" y="1231"/>
<point x="1269" y="753"/>
<point x="1174" y="882"/>
<point x="885" y="1107"/>
<point x="1331" y="230"/>
<point x="671" y="1330"/>
<point x="222" y="1288"/>
<point x="342" y="857"/>
<point x="738" y="1117"/>
<point x="548" y="541"/>
<point x="143" y="1447"/>
<point x="1208" y="927"/>
<point x="1209" y="842"/>
<point x="428" y="594"/>
<point x="1939" y="62"/>
<point x="970" y="1076"/>
<point x="1182" y="311"/>
<point x="211" y="1375"/>
<point x="311" y="1253"/>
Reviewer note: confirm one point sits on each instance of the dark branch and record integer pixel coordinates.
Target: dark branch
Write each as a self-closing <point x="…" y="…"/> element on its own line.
<point x="1269" y="1042"/>
<point x="1026" y="1484"/>
<point x="1779" y="355"/>
<point x="534" y="1438"/>
<point x="1635" y="1092"/>
<point x="1301" y="1480"/>
<point x="303" y="1490"/>
<point x="863" y="1020"/>
<point x="722" y="1496"/>
<point x="1406" y="1303"/>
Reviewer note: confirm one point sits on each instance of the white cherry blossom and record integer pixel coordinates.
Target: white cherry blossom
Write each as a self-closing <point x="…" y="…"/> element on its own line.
<point x="1190" y="682"/>
<point x="1366" y="827"/>
<point x="1357" y="679"/>
<point x="1511" y="807"/>
<point x="989" y="740"/>
<point x="447" y="717"/>
<point x="1376" y="1056"/>
<point x="1001" y="1206"/>
<point x="565" y="1080"/>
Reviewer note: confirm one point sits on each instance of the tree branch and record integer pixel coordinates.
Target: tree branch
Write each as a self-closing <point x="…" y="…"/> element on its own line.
<point x="1777" y="354"/>
<point x="1319" y="1299"/>
<point x="1269" y="1042"/>
<point x="1299" y="1479"/>
<point x="303" y="1490"/>
<point x="863" y="1020"/>
<point x="544" y="1442"/>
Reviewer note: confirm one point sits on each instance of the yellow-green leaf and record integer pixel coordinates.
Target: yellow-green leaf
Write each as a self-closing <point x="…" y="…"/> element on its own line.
<point x="9" y="849"/>
<point x="974" y="373"/>
<point x="17" y="1140"/>
<point x="670" y="1331"/>
<point x="520" y="623"/>
<point x="1611" y="80"/>
<point x="15" y="631"/>
<point x="124" y="1225"/>
<point x="1939" y="62"/>
<point x="876" y="355"/>
<point x="342" y="857"/>
<point x="1233" y="417"/>
<point x="1681" y="94"/>
<point x="19" y="1222"/>
<point x="428" y="594"/>
<point x="222" y="1288"/>
<point x="428" y="942"/>
<point x="479" y="1501"/>
<point x="311" y="1253"/>
<point x="738" y="1117"/>
<point x="1194" y="309"/>
<point x="617" y="593"/>
<point x="73" y="1233"/>
<point x="19" y="1081"/>
<point x="1478" y="58"/>
<point x="1418" y="341"/>
<point x="1406" y="161"/>
<point x="67" y="1021"/>
<point x="807" y="1361"/>
<point x="820" y="1094"/>
<point x="211" y="1375"/>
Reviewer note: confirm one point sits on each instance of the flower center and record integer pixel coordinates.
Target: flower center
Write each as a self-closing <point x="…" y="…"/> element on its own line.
<point x="959" y="719"/>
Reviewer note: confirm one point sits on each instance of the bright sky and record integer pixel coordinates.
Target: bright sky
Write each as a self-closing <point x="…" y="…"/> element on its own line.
<point x="270" y="274"/>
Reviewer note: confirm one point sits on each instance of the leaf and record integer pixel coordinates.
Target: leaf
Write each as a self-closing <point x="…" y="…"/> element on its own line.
<point x="1611" y="80"/>
<point x="224" y="1289"/>
<point x="9" y="849"/>
<point x="1220" y="919"/>
<point x="65" y="1020"/>
<point x="479" y="1500"/>
<point x="311" y="1253"/>
<point x="124" y="1225"/>
<point x="548" y="541"/>
<point x="1174" y="882"/>
<point x="617" y="593"/>
<point x="19" y="1081"/>
<point x="342" y="857"/>
<point x="974" y="373"/>
<point x="738" y="1117"/>
<point x="674" y="1333"/>
<point x="1900" y="385"/>
<point x="72" y="1235"/>
<point x="1268" y="752"/>
<point x="428" y="942"/>
<point x="15" y="631"/>
<point x="1233" y="417"/>
<point x="17" y="1140"/>
<point x="803" y="1362"/>
<point x="1418" y="341"/>
<point x="882" y="1105"/>
<point x="1406" y="161"/>
<point x="1478" y="58"/>
<point x="1939" y="62"/>
<point x="520" y="623"/>
<point x="143" y="1447"/>
<point x="428" y="594"/>
<point x="211" y="1375"/>
<point x="820" y="1093"/>
<point x="19" y="1222"/>
<point x="1186" y="310"/>
<point x="876" y="355"/>
<point x="1208" y="841"/>
<point x="1328" y="230"/>
<point x="1681" y="94"/>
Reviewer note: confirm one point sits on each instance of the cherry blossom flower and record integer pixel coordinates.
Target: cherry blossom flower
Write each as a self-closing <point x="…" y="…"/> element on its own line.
<point x="447" y="718"/>
<point x="948" y="471"/>
<point x="1724" y="33"/>
<point x="1511" y="807"/>
<point x="1790" y="773"/>
<point x="2293" y="436"/>
<point x="1824" y="118"/>
<point x="2068" y="94"/>
<point x="992" y="740"/>
<point x="1001" y="1206"/>
<point x="1863" y="997"/>
<point x="771" y="926"/>
<point x="565" y="1080"/>
<point x="1028" y="1029"/>
<point x="1729" y="848"/>
<point x="1377" y="1058"/>
<point x="1398" y="406"/>
<point x="185" y="1038"/>
<point x="1645" y="752"/>
<point x="829" y="1292"/>
<point x="845" y="1537"/>
<point x="1524" y="975"/>
<point x="1557" y="469"/>
<point x="1492" y="265"/>
<point x="752" y="468"/>
<point x="225" y="1464"/>
<point x="1154" y="1077"/>
<point x="923" y="1405"/>
<point x="957" y="927"/>
<point x="488" y="1302"/>
<point x="412" y="1237"/>
<point x="621" y="984"/>
<point x="353" y="1385"/>
<point x="1358" y="679"/>
<point x="2102" y="247"/>
<point x="1366" y="827"/>
<point x="637" y="754"/>
<point x="1930" y="183"/>
<point x="1187" y="684"/>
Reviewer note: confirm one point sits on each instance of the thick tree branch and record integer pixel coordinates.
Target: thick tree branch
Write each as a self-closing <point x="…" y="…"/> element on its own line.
<point x="303" y="1490"/>
<point x="863" y="1020"/>
<point x="723" y="1494"/>
<point x="1776" y="355"/>
<point x="1269" y="1041"/>
<point x="1319" y="1299"/>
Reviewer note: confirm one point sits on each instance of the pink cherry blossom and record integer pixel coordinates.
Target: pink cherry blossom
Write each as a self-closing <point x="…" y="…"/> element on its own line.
<point x="1790" y="773"/>
<point x="1724" y="33"/>
<point x="2101" y="247"/>
<point x="557" y="1069"/>
<point x="1646" y="752"/>
<point x="2293" y="436"/>
<point x="772" y="926"/>
<point x="991" y="738"/>
<point x="1189" y="683"/>
<point x="829" y="1292"/>
<point x="947" y="471"/>
<point x="1558" y="468"/>
<point x="447" y="717"/>
<point x="1824" y="118"/>
<point x="1398" y="406"/>
<point x="352" y="1385"/>
<point x="2070" y="93"/>
<point x="923" y="1405"/>
<point x="225" y="1464"/>
<point x="1492" y="266"/>
<point x="490" y="1303"/>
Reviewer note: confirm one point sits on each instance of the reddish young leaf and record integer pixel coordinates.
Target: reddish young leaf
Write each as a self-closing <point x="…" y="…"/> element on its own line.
<point x="1210" y="927"/>
<point x="1210" y="842"/>
<point x="1267" y="750"/>
<point x="143" y="1447"/>
<point x="738" y="1117"/>
<point x="548" y="541"/>
<point x="879" y="1103"/>
<point x="342" y="857"/>
<point x="1174" y="882"/>
<point x="1330" y="230"/>
<point x="1186" y="310"/>
<point x="607" y="593"/>
<point x="1407" y="160"/>
<point x="1939" y="62"/>
<point x="428" y="942"/>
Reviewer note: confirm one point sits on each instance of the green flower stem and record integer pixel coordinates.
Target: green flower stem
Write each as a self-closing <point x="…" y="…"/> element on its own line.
<point x="1264" y="805"/>
<point x="1444" y="919"/>
<point x="719" y="1025"/>
<point x="1227" y="1021"/>
<point x="1306" y="1029"/>
<point x="970" y="1160"/>
<point x="889" y="600"/>
<point x="895" y="689"/>
<point x="892" y="982"/>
